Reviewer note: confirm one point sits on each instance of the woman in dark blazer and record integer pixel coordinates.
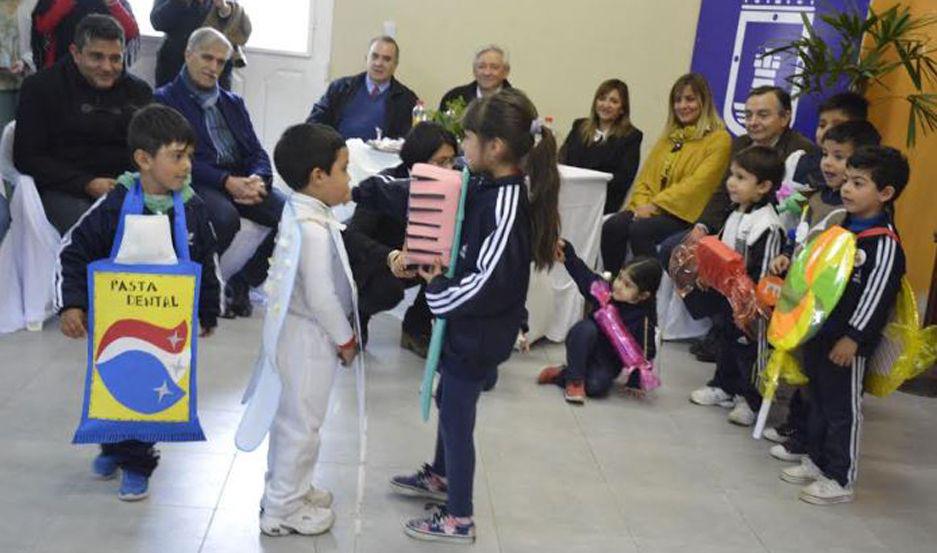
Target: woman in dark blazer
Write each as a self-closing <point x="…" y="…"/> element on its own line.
<point x="607" y="141"/>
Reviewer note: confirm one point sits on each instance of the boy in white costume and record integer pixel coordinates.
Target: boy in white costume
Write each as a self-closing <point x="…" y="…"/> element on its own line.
<point x="318" y="330"/>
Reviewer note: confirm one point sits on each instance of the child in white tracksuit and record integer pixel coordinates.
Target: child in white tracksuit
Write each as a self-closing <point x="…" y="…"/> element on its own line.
<point x="317" y="333"/>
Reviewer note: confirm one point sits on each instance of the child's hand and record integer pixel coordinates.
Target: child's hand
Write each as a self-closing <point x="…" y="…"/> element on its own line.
<point x="206" y="331"/>
<point x="347" y="354"/>
<point x="779" y="265"/>
<point x="844" y="351"/>
<point x="428" y="273"/>
<point x="698" y="232"/>
<point x="74" y="322"/>
<point x="558" y="254"/>
<point x="397" y="263"/>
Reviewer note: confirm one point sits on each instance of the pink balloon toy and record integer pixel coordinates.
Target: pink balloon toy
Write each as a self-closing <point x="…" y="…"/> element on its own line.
<point x="630" y="353"/>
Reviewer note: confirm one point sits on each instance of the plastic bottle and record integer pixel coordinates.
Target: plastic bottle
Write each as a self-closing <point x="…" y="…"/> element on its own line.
<point x="419" y="113"/>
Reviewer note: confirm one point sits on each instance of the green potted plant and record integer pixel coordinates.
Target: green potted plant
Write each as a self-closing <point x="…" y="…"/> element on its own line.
<point x="895" y="40"/>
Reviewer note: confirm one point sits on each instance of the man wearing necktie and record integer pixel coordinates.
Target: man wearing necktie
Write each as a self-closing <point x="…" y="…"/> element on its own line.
<point x="356" y="106"/>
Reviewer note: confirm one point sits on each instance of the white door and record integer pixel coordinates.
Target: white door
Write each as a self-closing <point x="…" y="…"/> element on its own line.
<point x="287" y="60"/>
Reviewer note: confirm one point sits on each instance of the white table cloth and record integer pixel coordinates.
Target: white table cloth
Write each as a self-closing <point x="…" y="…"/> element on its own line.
<point x="554" y="304"/>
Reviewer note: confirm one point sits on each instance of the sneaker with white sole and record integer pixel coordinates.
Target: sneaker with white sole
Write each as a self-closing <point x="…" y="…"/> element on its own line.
<point x="708" y="395"/>
<point x="778" y="434"/>
<point x="784" y="453"/>
<point x="803" y="474"/>
<point x="741" y="414"/>
<point x="307" y="520"/>
<point x="134" y="486"/>
<point x="425" y="483"/>
<point x="318" y="497"/>
<point x="441" y="526"/>
<point x="826" y="491"/>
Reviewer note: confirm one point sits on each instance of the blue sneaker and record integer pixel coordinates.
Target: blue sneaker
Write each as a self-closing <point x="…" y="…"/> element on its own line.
<point x="425" y="484"/>
<point x="104" y="466"/>
<point x="133" y="486"/>
<point x="441" y="527"/>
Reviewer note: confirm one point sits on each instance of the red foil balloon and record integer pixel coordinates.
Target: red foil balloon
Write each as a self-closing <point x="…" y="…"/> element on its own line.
<point x="630" y="353"/>
<point x="723" y="269"/>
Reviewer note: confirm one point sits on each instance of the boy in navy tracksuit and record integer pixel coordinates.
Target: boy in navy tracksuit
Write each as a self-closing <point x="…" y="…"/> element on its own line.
<point x="836" y="357"/>
<point x="824" y="209"/>
<point x="163" y="140"/>
<point x="592" y="364"/>
<point x="754" y="230"/>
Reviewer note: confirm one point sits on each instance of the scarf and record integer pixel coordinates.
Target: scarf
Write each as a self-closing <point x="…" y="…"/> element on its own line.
<point x="156" y="203"/>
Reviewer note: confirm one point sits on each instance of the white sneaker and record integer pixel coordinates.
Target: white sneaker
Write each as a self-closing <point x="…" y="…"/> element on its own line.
<point x="772" y="435"/>
<point x="804" y="473"/>
<point x="779" y="451"/>
<point x="826" y="491"/>
<point x="708" y="395"/>
<point x="318" y="498"/>
<point x="307" y="520"/>
<point x="742" y="414"/>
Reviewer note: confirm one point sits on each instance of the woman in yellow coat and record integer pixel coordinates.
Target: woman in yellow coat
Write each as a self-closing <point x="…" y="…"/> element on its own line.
<point x="682" y="171"/>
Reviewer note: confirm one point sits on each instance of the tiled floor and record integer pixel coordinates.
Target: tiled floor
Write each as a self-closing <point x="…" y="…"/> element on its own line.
<point x="617" y="475"/>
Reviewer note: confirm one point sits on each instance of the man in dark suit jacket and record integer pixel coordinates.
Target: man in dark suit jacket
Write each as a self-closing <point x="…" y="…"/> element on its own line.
<point x="231" y="171"/>
<point x="491" y="69"/>
<point x="356" y="105"/>
<point x="72" y="119"/>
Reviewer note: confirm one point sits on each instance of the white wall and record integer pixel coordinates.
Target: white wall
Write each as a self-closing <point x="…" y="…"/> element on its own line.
<point x="560" y="51"/>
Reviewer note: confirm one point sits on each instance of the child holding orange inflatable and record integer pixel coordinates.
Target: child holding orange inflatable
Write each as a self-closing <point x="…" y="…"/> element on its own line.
<point x="835" y="358"/>
<point x="754" y="230"/>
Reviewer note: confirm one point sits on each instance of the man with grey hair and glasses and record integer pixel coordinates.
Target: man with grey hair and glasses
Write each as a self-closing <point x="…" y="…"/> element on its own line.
<point x="491" y="68"/>
<point x="231" y="171"/>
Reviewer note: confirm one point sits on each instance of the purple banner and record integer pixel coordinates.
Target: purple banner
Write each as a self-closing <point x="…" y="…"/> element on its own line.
<point x="733" y="35"/>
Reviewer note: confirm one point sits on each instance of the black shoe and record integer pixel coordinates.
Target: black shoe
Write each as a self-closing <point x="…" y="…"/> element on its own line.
<point x="706" y="356"/>
<point x="237" y="299"/>
<point x="696" y="346"/>
<point x="418" y="344"/>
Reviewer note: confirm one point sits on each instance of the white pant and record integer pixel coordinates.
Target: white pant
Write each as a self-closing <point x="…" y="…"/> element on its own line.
<point x="307" y="361"/>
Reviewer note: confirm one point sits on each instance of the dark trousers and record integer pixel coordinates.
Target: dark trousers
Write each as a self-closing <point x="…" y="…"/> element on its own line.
<point x="835" y="419"/>
<point x="735" y="363"/>
<point x="133" y="456"/>
<point x="590" y="358"/>
<point x="642" y="235"/>
<point x="381" y="291"/>
<point x="226" y="218"/>
<point x="63" y="210"/>
<point x="457" y="400"/>
<point x="798" y="418"/>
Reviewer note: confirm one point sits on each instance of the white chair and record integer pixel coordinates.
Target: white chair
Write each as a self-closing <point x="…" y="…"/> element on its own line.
<point x="29" y="251"/>
<point x="243" y="246"/>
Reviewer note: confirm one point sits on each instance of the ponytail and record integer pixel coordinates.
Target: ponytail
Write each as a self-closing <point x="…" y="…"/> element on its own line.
<point x="544" y="198"/>
<point x="512" y="117"/>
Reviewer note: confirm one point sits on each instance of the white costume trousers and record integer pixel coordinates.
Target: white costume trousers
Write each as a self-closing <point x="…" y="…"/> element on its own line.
<point x="307" y="361"/>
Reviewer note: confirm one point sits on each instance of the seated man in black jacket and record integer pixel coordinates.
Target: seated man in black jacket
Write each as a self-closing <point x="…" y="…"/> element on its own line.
<point x="71" y="124"/>
<point x="491" y="69"/>
<point x="355" y="106"/>
<point x="374" y="242"/>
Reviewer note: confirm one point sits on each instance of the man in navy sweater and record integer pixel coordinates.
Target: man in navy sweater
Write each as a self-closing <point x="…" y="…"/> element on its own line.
<point x="355" y="106"/>
<point x="231" y="171"/>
